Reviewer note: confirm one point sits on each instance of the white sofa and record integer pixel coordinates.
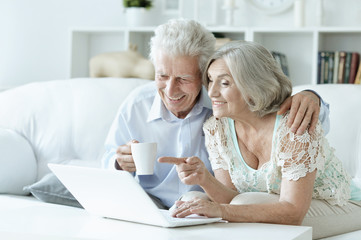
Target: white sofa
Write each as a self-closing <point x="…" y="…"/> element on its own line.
<point x="66" y="121"/>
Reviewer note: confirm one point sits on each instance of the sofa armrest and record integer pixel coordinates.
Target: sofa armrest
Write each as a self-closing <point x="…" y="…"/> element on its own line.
<point x="17" y="161"/>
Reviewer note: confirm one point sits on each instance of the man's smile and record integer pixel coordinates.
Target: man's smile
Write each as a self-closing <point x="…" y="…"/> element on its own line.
<point x="175" y="99"/>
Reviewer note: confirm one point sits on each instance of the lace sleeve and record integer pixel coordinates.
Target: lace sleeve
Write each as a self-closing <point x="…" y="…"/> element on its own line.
<point x="298" y="154"/>
<point x="213" y="140"/>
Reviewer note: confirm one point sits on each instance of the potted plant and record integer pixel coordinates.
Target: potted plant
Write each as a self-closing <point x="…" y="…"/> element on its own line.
<point x="147" y="4"/>
<point x="136" y="13"/>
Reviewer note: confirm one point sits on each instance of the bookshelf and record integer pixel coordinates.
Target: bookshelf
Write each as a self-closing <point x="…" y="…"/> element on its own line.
<point x="301" y="45"/>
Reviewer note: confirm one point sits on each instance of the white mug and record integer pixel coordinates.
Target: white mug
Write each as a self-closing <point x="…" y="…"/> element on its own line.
<point x="144" y="156"/>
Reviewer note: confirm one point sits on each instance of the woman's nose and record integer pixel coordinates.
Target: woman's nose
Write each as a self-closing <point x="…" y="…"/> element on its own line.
<point x="212" y="90"/>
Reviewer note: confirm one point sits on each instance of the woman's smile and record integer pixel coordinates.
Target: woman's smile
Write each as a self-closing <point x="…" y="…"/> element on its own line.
<point x="218" y="103"/>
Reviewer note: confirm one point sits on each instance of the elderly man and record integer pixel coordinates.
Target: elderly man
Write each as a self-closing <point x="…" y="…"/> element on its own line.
<point x="171" y="111"/>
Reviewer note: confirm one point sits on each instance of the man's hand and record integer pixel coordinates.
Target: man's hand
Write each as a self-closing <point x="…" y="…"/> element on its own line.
<point x="304" y="110"/>
<point x="124" y="157"/>
<point x="191" y="171"/>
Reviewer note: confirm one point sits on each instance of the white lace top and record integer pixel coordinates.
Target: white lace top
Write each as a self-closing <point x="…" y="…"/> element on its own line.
<point x="292" y="157"/>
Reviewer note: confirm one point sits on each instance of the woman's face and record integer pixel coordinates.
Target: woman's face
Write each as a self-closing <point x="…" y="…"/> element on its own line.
<point x="227" y="100"/>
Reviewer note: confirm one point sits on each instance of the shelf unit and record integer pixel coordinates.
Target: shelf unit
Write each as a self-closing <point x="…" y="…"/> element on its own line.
<point x="88" y="42"/>
<point x="301" y="45"/>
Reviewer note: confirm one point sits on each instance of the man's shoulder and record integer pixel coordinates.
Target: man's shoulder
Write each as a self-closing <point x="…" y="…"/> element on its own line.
<point x="141" y="97"/>
<point x="142" y="93"/>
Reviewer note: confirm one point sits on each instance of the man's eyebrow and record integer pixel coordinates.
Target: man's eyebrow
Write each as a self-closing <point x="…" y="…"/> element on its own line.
<point x="178" y="76"/>
<point x="185" y="76"/>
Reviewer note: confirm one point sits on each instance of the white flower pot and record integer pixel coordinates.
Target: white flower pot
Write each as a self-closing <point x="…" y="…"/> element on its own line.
<point x="137" y="17"/>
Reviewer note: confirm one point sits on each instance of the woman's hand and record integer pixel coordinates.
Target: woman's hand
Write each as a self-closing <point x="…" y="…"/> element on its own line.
<point x="198" y="206"/>
<point x="191" y="171"/>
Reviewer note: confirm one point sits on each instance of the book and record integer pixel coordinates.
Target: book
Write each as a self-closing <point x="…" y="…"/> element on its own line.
<point x="318" y="67"/>
<point x="335" y="66"/>
<point x="341" y="67"/>
<point x="346" y="78"/>
<point x="355" y="58"/>
<point x="281" y="59"/>
<point x="326" y="66"/>
<point x="284" y="64"/>
<point x="358" y="75"/>
<point x="277" y="57"/>
<point x="321" y="68"/>
<point x="330" y="67"/>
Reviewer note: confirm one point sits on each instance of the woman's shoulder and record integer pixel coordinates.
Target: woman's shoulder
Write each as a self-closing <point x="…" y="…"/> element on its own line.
<point x="283" y="119"/>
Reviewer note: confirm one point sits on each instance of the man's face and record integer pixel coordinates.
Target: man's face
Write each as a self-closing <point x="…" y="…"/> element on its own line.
<point x="178" y="81"/>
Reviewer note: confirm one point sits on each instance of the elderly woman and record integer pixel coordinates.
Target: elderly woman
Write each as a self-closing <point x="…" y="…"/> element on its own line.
<point x="263" y="171"/>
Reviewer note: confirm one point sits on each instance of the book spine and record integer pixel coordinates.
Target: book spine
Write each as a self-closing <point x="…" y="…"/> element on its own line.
<point x="358" y="75"/>
<point x="322" y="68"/>
<point x="335" y="66"/>
<point x="330" y="67"/>
<point x="318" y="68"/>
<point x="326" y="66"/>
<point x="341" y="67"/>
<point x="282" y="61"/>
<point x="346" y="78"/>
<point x="277" y="57"/>
<point x="284" y="64"/>
<point x="354" y="65"/>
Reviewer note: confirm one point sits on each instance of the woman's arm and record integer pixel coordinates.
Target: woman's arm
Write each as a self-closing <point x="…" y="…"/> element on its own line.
<point x="291" y="208"/>
<point x="192" y="171"/>
<point x="220" y="188"/>
<point x="293" y="204"/>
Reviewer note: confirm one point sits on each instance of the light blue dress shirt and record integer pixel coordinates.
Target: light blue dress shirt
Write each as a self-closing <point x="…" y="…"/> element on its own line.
<point x="143" y="117"/>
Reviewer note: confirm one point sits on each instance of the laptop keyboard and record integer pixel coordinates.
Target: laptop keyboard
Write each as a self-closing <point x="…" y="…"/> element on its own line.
<point x="167" y="215"/>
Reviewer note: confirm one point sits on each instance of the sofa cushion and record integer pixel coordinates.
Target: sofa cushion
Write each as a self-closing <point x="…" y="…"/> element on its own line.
<point x="17" y="161"/>
<point x="49" y="189"/>
<point x="65" y="119"/>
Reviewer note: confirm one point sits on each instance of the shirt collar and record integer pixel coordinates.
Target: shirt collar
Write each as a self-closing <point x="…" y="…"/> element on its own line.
<point x="158" y="109"/>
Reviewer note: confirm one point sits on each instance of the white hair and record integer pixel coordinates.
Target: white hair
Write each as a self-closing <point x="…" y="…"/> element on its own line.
<point x="257" y="75"/>
<point x="183" y="37"/>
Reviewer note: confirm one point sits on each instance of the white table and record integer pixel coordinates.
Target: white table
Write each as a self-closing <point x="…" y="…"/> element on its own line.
<point x="50" y="221"/>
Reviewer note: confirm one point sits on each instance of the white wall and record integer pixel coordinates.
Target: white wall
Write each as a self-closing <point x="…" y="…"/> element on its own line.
<point x="34" y="37"/>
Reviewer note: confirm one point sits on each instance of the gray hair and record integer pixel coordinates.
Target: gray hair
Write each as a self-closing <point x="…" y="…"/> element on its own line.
<point x="257" y="75"/>
<point x="183" y="37"/>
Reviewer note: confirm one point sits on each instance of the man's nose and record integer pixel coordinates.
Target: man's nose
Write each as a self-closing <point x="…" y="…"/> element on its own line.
<point x="172" y="86"/>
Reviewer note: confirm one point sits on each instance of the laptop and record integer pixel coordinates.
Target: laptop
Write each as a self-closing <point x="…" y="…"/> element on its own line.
<point x="117" y="195"/>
